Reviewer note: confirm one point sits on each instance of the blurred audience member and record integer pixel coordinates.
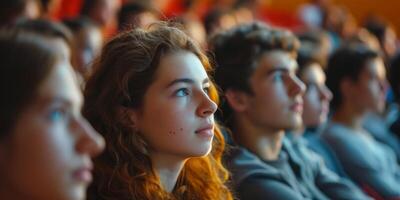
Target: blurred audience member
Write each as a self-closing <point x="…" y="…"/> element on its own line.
<point x="385" y="34"/>
<point x="195" y="29"/>
<point x="136" y="15"/>
<point x="86" y="44"/>
<point x="357" y="78"/>
<point x="13" y="10"/>
<point x="45" y="143"/>
<point x="394" y="80"/>
<point x="55" y="31"/>
<point x="104" y="13"/>
<point x="218" y="19"/>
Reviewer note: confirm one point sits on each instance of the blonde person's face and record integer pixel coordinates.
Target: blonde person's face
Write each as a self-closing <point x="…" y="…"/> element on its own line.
<point x="277" y="100"/>
<point x="48" y="155"/>
<point x="176" y="118"/>
<point x="317" y="95"/>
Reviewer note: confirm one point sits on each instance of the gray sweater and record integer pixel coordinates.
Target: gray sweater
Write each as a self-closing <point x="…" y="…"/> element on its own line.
<point x="368" y="162"/>
<point x="286" y="178"/>
<point x="313" y="165"/>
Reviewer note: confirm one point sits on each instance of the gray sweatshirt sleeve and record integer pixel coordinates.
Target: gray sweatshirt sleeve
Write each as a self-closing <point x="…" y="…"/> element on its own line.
<point x="333" y="186"/>
<point x="260" y="189"/>
<point x="387" y="185"/>
<point x="381" y="177"/>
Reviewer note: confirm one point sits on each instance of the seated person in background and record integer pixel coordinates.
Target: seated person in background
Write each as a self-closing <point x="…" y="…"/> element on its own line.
<point x="162" y="141"/>
<point x="54" y="31"/>
<point x="256" y="69"/>
<point x="394" y="80"/>
<point x="136" y="14"/>
<point x="378" y="123"/>
<point x="45" y="143"/>
<point x="357" y="78"/>
<point x="86" y="44"/>
<point x="316" y="107"/>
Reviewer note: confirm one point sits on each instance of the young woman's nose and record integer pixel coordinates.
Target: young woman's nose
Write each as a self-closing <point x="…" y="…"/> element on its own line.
<point x="207" y="106"/>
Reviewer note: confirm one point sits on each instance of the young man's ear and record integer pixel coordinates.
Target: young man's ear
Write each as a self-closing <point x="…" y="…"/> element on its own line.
<point x="347" y="88"/>
<point x="237" y="100"/>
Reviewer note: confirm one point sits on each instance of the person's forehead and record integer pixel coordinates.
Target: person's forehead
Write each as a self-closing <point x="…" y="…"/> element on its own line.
<point x="313" y="73"/>
<point x="61" y="83"/>
<point x="277" y="59"/>
<point x="376" y="66"/>
<point x="181" y="64"/>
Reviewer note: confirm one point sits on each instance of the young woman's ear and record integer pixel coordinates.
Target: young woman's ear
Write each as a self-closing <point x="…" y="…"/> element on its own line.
<point x="238" y="100"/>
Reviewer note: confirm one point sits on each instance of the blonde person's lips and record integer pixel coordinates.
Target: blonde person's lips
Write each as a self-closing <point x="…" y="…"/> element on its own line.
<point x="83" y="174"/>
<point x="206" y="131"/>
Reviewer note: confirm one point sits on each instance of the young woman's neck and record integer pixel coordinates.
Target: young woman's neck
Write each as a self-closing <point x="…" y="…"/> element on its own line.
<point x="348" y="115"/>
<point x="265" y="143"/>
<point x="168" y="168"/>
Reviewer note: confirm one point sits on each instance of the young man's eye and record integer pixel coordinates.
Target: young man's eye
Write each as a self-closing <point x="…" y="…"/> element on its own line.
<point x="278" y="76"/>
<point x="182" y="92"/>
<point x="311" y="86"/>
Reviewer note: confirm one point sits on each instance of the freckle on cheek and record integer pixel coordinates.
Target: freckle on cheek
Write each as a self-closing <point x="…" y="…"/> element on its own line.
<point x="172" y="132"/>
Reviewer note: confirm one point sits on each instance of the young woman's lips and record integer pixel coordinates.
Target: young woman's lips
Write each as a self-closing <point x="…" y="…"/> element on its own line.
<point x="83" y="174"/>
<point x="205" y="131"/>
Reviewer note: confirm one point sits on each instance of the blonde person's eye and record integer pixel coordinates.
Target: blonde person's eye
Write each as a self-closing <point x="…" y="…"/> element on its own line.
<point x="278" y="76"/>
<point x="57" y="114"/>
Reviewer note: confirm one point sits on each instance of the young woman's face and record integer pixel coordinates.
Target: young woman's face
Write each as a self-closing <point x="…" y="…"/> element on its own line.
<point x="47" y="155"/>
<point x="316" y="97"/>
<point x="176" y="118"/>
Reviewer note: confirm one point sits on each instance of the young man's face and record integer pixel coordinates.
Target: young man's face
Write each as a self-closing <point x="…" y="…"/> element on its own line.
<point x="369" y="91"/>
<point x="317" y="96"/>
<point x="276" y="103"/>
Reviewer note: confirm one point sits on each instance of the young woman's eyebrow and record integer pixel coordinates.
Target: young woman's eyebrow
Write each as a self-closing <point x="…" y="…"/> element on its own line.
<point x="186" y="80"/>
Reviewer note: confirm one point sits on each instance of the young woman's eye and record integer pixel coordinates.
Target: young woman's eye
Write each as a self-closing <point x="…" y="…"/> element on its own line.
<point x="206" y="90"/>
<point x="182" y="92"/>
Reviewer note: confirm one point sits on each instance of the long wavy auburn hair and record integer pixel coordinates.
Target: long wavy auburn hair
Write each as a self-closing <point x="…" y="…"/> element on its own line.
<point x="122" y="75"/>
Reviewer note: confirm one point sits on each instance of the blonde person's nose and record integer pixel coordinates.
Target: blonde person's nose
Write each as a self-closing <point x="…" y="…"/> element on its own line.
<point x="89" y="141"/>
